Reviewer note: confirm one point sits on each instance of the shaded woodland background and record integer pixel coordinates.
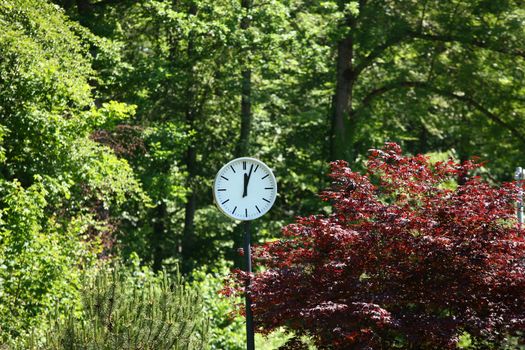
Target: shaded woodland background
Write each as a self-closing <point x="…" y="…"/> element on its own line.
<point x="115" y="116"/>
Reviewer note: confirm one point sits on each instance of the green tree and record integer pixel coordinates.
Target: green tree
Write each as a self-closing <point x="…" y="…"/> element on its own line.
<point x="62" y="195"/>
<point x="187" y="83"/>
<point x="435" y="74"/>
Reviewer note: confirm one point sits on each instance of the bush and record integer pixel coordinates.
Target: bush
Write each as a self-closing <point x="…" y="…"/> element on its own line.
<point x="227" y="328"/>
<point x="37" y="256"/>
<point x="408" y="259"/>
<point x="123" y="310"/>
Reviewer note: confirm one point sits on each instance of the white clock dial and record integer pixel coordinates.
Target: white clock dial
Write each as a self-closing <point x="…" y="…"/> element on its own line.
<point x="245" y="189"/>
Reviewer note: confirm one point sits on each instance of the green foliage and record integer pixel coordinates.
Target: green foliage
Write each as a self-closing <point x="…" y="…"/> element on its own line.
<point x="515" y="343"/>
<point x="48" y="112"/>
<point x="130" y="309"/>
<point x="440" y="75"/>
<point x="62" y="195"/>
<point x="227" y="327"/>
<point x="37" y="253"/>
<point x="227" y="330"/>
<point x="43" y="62"/>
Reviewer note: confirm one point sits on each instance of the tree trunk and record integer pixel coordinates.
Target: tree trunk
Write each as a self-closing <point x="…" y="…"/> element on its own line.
<point x="423" y="139"/>
<point x="246" y="90"/>
<point x="246" y="114"/>
<point x="188" y="234"/>
<point x="158" y="236"/>
<point x="85" y="12"/>
<point x="339" y="141"/>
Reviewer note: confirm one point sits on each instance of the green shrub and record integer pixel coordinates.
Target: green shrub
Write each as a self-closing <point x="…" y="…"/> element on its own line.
<point x="227" y="327"/>
<point x="123" y="309"/>
<point x="38" y="259"/>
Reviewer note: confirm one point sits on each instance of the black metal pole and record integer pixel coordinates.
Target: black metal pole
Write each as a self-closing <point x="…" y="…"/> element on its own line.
<point x="250" y="340"/>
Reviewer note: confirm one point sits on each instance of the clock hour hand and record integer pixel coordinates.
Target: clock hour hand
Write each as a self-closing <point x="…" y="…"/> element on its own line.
<point x="245" y="190"/>
<point x="246" y="181"/>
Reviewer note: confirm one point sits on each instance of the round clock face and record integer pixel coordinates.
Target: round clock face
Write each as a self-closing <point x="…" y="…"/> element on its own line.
<point x="245" y="189"/>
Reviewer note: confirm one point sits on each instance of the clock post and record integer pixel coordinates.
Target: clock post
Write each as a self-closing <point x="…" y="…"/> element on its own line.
<point x="250" y="334"/>
<point x="245" y="189"/>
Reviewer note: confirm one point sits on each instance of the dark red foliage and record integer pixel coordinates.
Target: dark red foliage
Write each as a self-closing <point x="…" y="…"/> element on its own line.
<point x="407" y="259"/>
<point x="125" y="140"/>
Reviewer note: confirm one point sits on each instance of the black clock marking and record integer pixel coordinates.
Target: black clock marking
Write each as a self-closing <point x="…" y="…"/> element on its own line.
<point x="226" y="201"/>
<point x="266" y="188"/>
<point x="246" y="212"/>
<point x="255" y="170"/>
<point x="243" y="165"/>
<point x="264" y="199"/>
<point x="221" y="189"/>
<point x="256" y="207"/>
<point x="265" y="176"/>
<point x="234" y="209"/>
<point x="231" y="166"/>
<point x="225" y="178"/>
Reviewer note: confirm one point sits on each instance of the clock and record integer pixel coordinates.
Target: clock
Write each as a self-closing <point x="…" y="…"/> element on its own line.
<point x="245" y="189"/>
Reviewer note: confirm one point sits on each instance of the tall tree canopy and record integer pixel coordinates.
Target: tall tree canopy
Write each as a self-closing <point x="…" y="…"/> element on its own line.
<point x="438" y="74"/>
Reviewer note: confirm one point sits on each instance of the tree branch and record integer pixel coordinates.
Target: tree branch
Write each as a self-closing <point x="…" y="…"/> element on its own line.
<point x="426" y="86"/>
<point x="378" y="51"/>
<point x="103" y="3"/>
<point x="412" y="35"/>
<point x="466" y="41"/>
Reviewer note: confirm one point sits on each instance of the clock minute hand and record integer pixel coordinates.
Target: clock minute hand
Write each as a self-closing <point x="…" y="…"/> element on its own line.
<point x="246" y="181"/>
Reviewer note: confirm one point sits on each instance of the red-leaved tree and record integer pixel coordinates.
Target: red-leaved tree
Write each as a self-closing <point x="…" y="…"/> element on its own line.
<point x="408" y="259"/>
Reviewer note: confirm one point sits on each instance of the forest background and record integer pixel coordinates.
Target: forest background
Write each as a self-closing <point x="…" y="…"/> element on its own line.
<point x="115" y="116"/>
